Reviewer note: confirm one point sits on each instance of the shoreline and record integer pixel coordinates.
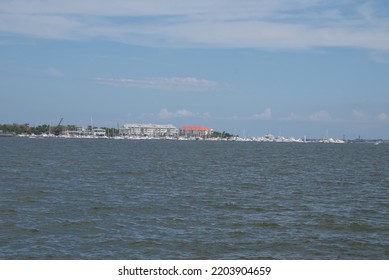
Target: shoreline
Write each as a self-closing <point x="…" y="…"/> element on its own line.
<point x="260" y="139"/>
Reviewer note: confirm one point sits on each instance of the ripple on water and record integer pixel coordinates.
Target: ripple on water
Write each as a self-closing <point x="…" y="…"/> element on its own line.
<point x="192" y="200"/>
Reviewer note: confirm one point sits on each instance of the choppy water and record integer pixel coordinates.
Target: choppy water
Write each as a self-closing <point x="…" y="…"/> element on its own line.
<point x="118" y="199"/>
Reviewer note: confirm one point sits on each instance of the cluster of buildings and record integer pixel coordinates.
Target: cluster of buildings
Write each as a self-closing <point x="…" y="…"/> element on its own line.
<point x="169" y="130"/>
<point x="144" y="131"/>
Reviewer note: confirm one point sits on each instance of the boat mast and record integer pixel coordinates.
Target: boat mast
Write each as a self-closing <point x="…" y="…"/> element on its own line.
<point x="91" y="123"/>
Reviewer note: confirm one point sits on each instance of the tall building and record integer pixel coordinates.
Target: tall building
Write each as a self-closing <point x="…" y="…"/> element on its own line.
<point x="151" y="130"/>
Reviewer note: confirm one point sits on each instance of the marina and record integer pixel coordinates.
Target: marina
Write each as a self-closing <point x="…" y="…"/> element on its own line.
<point x="150" y="131"/>
<point x="160" y="132"/>
<point x="265" y="138"/>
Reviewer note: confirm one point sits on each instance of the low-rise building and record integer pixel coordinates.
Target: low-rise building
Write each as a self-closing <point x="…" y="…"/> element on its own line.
<point x="83" y="132"/>
<point x="150" y="130"/>
<point x="195" y="131"/>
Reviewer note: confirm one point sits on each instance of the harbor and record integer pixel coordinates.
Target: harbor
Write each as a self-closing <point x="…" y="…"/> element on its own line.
<point x="268" y="138"/>
<point x="139" y="131"/>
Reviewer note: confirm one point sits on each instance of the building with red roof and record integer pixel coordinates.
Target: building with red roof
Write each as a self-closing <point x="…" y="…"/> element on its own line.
<point x="196" y="131"/>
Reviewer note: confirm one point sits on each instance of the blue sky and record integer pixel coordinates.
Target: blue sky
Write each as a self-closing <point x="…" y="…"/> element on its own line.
<point x="291" y="68"/>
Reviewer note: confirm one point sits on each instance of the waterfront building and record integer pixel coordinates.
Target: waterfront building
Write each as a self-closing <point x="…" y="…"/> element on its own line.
<point x="99" y="132"/>
<point x="83" y="132"/>
<point x="149" y="130"/>
<point x="195" y="131"/>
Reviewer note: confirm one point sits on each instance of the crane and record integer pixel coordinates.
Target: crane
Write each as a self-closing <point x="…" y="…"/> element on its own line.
<point x="57" y="130"/>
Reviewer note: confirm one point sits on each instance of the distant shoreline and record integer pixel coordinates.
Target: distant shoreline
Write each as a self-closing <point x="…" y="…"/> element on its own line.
<point x="46" y="131"/>
<point x="262" y="139"/>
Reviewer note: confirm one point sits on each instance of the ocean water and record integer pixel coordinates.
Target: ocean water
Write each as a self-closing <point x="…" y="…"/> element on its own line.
<point x="156" y="199"/>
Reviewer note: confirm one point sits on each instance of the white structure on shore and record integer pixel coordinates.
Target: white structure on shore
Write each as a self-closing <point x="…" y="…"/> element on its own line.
<point x="149" y="130"/>
<point x="196" y="132"/>
<point x="85" y="133"/>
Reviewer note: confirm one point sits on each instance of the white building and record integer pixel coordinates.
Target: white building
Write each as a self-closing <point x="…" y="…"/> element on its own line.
<point x="85" y="133"/>
<point x="150" y="130"/>
<point x="99" y="132"/>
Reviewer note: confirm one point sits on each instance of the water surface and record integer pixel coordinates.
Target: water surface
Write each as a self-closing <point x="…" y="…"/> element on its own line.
<point x="122" y="199"/>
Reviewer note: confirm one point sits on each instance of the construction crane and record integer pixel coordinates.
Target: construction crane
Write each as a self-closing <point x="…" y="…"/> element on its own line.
<point x="57" y="130"/>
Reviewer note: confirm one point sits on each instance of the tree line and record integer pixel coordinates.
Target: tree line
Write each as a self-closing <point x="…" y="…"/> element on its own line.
<point x="25" y="128"/>
<point x="217" y="134"/>
<point x="37" y="130"/>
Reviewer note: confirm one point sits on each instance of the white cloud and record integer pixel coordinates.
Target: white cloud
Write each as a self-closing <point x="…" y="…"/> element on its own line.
<point x="359" y="115"/>
<point x="316" y="116"/>
<point x="165" y="114"/>
<point x="320" y="116"/>
<point x="59" y="27"/>
<point x="363" y="117"/>
<point x="383" y="117"/>
<point x="265" y="115"/>
<point x="174" y="83"/>
<point x="182" y="113"/>
<point x="293" y="117"/>
<point x="281" y="24"/>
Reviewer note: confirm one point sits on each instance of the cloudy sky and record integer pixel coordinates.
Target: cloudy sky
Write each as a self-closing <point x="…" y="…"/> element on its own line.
<point x="249" y="67"/>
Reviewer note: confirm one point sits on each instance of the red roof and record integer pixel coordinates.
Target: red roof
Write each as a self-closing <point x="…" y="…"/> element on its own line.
<point x="196" y="128"/>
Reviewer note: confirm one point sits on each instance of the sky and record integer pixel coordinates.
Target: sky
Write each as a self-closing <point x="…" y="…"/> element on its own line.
<point x="298" y="68"/>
